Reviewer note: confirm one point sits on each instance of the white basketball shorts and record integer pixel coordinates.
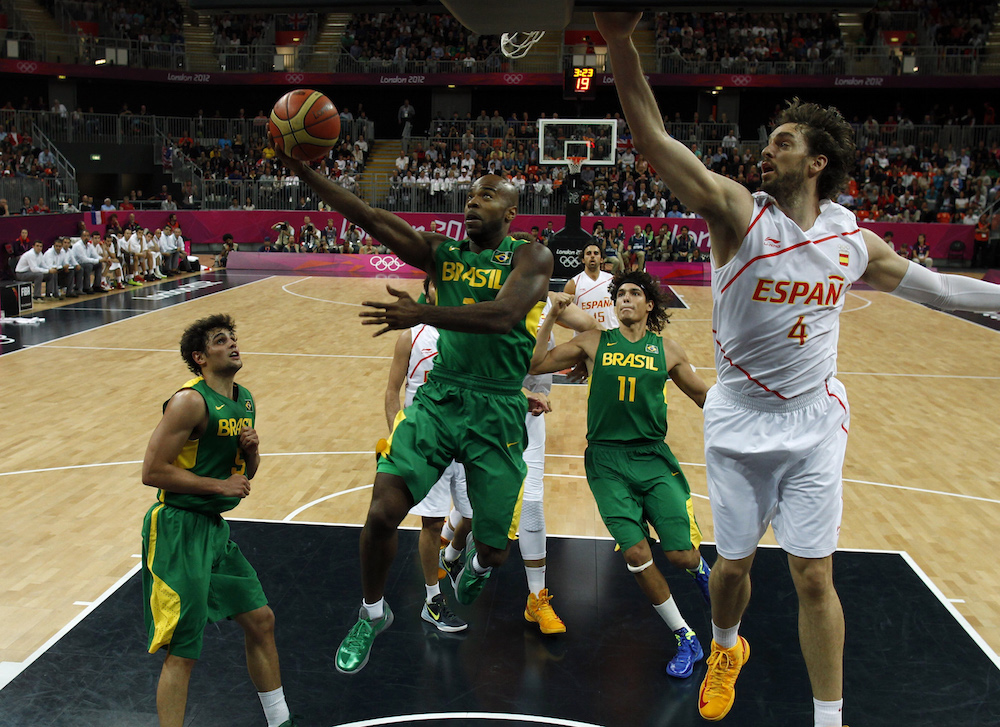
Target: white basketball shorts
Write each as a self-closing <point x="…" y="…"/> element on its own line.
<point x="452" y="487"/>
<point x="779" y="463"/>
<point x="534" y="457"/>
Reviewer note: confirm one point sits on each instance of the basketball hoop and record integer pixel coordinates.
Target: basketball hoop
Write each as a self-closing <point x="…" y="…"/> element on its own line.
<point x="517" y="45"/>
<point x="574" y="164"/>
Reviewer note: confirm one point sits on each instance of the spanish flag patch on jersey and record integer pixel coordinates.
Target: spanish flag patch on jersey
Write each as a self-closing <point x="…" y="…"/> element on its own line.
<point x="845" y="256"/>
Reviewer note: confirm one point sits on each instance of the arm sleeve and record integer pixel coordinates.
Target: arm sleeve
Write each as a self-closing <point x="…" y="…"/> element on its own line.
<point x="948" y="292"/>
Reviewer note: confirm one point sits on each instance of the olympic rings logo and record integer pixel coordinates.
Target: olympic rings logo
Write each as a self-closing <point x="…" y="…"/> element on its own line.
<point x="384" y="263"/>
<point x="24" y="67"/>
<point x="741" y="80"/>
<point x="513" y="78"/>
<point x="294" y="77"/>
<point x="569" y="262"/>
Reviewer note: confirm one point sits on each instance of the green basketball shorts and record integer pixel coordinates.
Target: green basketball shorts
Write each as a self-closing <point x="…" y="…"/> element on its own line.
<point x="192" y="575"/>
<point x="478" y="422"/>
<point x="642" y="484"/>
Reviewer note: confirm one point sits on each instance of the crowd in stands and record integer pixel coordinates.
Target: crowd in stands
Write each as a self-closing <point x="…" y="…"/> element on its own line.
<point x="234" y="31"/>
<point x="741" y="39"/>
<point x="150" y="20"/>
<point x="941" y="22"/>
<point x="19" y="157"/>
<point x="394" y="39"/>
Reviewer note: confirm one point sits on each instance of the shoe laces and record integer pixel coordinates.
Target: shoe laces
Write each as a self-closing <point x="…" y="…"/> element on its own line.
<point x="542" y="603"/>
<point x="444" y="609"/>
<point x="684" y="641"/>
<point x="720" y="671"/>
<point x="359" y="634"/>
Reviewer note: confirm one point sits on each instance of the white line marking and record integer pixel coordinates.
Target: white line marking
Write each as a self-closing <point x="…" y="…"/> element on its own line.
<point x="133" y="318"/>
<point x="309" y="297"/>
<point x="851" y="310"/>
<point x="244" y="353"/>
<point x="103" y="310"/>
<point x="70" y="467"/>
<point x="485" y="716"/>
<point x="546" y="474"/>
<point x="952" y="610"/>
<point x="295" y="512"/>
<point x="72" y="624"/>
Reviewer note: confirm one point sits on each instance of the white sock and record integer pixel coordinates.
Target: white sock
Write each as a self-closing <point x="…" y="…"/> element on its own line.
<point x="726" y="638"/>
<point x="275" y="709"/>
<point x="536" y="578"/>
<point x="432" y="591"/>
<point x="375" y="610"/>
<point x="671" y="615"/>
<point x="478" y="567"/>
<point x="828" y="714"/>
<point x="450" y="554"/>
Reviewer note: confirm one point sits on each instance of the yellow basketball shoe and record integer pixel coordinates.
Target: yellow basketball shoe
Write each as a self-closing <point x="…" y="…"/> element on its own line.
<point x="539" y="611"/>
<point x="718" y="691"/>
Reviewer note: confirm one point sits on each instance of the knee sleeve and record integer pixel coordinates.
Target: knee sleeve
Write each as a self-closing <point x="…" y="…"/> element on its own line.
<point x="636" y="569"/>
<point x="532" y="535"/>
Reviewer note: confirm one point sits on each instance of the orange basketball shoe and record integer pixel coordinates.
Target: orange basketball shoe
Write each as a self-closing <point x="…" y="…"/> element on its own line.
<point x="539" y="611"/>
<point x="718" y="691"/>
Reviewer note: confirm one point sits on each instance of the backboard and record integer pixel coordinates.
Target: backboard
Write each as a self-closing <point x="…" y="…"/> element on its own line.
<point x="593" y="139"/>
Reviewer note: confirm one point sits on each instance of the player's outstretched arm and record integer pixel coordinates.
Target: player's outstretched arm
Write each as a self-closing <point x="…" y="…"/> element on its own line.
<point x="389" y="229"/>
<point x="894" y="274"/>
<point x="185" y="414"/>
<point x="683" y="374"/>
<point x="724" y="203"/>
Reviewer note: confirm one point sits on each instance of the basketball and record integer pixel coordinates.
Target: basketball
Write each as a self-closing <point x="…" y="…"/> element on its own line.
<point x="304" y="124"/>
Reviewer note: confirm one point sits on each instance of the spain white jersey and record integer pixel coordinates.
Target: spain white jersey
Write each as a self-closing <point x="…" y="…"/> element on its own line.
<point x="594" y="298"/>
<point x="776" y="305"/>
<point x="423" y="352"/>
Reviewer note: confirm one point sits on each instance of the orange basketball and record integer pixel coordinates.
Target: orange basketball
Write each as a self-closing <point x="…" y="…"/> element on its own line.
<point x="304" y="124"/>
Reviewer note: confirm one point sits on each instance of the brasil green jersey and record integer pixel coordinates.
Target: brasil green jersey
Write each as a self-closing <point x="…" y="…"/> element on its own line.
<point x="217" y="453"/>
<point x="464" y="277"/>
<point x="626" y="399"/>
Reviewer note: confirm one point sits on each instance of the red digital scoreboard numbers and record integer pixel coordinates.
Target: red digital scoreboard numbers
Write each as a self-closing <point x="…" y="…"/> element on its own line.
<point x="580" y="82"/>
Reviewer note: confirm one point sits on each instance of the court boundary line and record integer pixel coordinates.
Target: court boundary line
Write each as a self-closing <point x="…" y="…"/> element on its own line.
<point x="477" y="716"/>
<point x="55" y="638"/>
<point x="958" y="495"/>
<point x="309" y="297"/>
<point x="245" y="353"/>
<point x="132" y="318"/>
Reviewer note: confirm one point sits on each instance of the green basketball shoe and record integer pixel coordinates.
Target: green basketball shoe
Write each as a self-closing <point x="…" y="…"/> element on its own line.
<point x="357" y="645"/>
<point x="470" y="583"/>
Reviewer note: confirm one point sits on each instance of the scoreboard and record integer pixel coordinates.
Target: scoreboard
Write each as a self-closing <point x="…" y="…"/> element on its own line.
<point x="580" y="82"/>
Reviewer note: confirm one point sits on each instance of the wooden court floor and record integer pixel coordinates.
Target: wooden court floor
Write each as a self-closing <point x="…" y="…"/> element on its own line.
<point x="921" y="474"/>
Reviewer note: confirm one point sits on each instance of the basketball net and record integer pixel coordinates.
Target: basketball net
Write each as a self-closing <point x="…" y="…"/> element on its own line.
<point x="517" y="45"/>
<point x="574" y="164"/>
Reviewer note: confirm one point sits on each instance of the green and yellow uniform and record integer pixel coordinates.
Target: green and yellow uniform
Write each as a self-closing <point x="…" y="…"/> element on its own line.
<point x="471" y="409"/>
<point x="633" y="474"/>
<point x="192" y="573"/>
